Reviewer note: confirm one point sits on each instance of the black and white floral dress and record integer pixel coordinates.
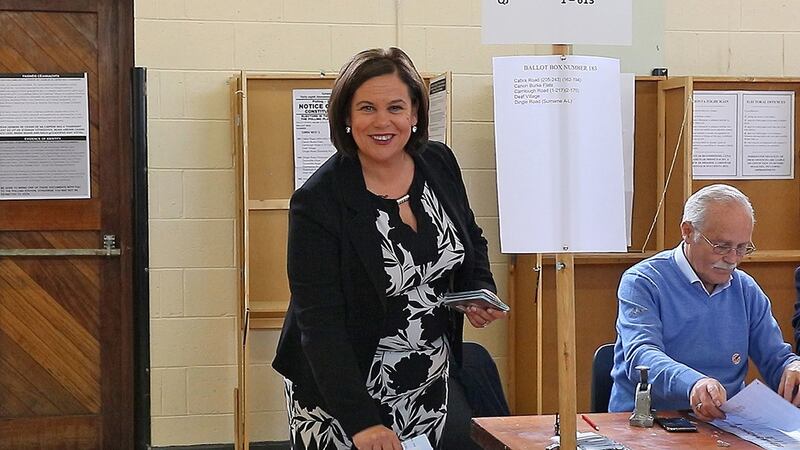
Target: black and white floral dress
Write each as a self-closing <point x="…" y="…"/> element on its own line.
<point x="410" y="368"/>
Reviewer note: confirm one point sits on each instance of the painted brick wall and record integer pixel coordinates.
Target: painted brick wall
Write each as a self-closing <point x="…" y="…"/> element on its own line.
<point x="193" y="47"/>
<point x="733" y="37"/>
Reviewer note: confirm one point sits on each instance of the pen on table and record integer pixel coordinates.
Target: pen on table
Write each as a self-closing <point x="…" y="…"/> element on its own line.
<point x="589" y="421"/>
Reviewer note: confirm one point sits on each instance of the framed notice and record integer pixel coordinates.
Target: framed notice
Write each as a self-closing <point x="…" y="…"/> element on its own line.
<point x="44" y="136"/>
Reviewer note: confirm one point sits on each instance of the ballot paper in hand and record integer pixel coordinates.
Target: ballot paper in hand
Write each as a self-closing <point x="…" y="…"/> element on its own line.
<point x="759" y="415"/>
<point x="419" y="442"/>
<point x="481" y="298"/>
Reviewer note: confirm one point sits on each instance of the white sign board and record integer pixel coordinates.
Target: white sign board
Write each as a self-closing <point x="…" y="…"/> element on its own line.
<point x="607" y="22"/>
<point x="312" y="136"/>
<point x="438" y="109"/>
<point x="628" y="104"/>
<point x="558" y="141"/>
<point x="44" y="136"/>
<point x="743" y="135"/>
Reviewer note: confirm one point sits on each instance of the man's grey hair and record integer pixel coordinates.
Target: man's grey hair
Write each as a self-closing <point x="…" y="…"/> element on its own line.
<point x="694" y="211"/>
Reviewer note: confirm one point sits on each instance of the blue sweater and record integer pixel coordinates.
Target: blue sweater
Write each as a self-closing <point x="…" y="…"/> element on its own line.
<point x="684" y="334"/>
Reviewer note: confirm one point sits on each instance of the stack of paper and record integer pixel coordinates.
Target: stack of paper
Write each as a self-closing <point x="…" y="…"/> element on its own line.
<point x="482" y="298"/>
<point x="759" y="415"/>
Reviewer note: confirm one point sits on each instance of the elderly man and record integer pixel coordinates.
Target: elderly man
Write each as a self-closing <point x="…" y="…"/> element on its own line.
<point x="695" y="319"/>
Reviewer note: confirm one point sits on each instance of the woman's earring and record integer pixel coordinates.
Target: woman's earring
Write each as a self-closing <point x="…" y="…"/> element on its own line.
<point x="414" y="129"/>
<point x="347" y="130"/>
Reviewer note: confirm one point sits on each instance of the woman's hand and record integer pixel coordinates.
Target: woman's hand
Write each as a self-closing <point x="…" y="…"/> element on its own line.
<point x="376" y="437"/>
<point x="480" y="317"/>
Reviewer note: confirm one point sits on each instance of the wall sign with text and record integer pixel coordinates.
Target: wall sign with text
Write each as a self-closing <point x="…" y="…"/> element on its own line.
<point x="44" y="136"/>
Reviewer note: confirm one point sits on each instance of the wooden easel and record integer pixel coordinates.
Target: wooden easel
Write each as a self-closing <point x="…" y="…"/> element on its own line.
<point x="565" y="320"/>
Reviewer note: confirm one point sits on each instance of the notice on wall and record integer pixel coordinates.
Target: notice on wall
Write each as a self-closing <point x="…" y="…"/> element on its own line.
<point x="312" y="139"/>
<point x="558" y="139"/>
<point x="437" y="109"/>
<point x="743" y="135"/>
<point x="627" y="91"/>
<point x="44" y="136"/>
<point x="557" y="21"/>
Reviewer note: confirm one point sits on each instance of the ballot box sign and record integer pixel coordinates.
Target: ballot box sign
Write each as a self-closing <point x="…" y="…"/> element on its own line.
<point x="44" y="136"/>
<point x="603" y="22"/>
<point x="558" y="143"/>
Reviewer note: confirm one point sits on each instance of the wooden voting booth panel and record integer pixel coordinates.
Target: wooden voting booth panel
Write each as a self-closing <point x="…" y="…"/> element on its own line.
<point x="661" y="108"/>
<point x="262" y="105"/>
<point x="268" y="185"/>
<point x="264" y="141"/>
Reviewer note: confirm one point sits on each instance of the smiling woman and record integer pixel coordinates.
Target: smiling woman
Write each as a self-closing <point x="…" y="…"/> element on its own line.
<point x="381" y="117"/>
<point x="376" y="236"/>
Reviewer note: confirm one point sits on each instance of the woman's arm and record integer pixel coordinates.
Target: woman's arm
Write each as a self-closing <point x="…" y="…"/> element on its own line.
<point x="481" y="274"/>
<point x="314" y="247"/>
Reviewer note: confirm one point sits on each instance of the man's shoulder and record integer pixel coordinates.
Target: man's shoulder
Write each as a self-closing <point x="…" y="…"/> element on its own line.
<point x="744" y="279"/>
<point x="654" y="264"/>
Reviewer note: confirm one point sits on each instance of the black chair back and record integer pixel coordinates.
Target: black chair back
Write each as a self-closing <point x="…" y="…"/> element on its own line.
<point x="602" y="363"/>
<point x="474" y="391"/>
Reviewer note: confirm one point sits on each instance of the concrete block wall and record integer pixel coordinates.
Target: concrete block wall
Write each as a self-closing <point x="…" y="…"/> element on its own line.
<point x="193" y="47"/>
<point x="759" y="38"/>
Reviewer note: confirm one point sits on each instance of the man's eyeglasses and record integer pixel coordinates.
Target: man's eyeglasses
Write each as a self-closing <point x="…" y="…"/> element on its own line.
<point x="720" y="249"/>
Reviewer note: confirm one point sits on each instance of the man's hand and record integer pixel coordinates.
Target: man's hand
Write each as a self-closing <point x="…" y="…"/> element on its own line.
<point x="706" y="397"/>
<point x="377" y="437"/>
<point x="790" y="383"/>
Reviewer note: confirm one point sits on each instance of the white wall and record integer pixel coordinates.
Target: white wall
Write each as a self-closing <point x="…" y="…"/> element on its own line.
<point x="193" y="47"/>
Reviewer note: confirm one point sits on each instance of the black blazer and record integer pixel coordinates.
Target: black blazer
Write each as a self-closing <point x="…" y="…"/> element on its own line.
<point x="796" y="317"/>
<point x="337" y="280"/>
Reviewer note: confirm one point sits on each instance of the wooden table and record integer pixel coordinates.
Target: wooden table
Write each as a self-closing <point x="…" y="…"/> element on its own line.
<point x="534" y="432"/>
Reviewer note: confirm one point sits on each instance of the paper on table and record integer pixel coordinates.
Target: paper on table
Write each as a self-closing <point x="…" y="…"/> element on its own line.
<point x="759" y="415"/>
<point x="419" y="442"/>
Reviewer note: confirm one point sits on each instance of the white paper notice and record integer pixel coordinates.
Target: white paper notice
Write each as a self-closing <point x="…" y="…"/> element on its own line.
<point x="743" y="134"/>
<point x="768" y="135"/>
<point x="437" y="110"/>
<point x="759" y="415"/>
<point x="558" y="142"/>
<point x="627" y="93"/>
<point x="44" y="136"/>
<point x="557" y="21"/>
<point x="312" y="137"/>
<point x="420" y="442"/>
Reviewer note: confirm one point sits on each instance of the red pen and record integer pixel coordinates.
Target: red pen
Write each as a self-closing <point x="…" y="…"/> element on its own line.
<point x="589" y="421"/>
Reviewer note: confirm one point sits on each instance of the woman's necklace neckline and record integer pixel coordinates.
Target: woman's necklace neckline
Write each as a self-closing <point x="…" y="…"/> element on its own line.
<point x="405" y="198"/>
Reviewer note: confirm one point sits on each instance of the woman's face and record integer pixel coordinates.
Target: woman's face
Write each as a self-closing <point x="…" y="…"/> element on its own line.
<point x="381" y="117"/>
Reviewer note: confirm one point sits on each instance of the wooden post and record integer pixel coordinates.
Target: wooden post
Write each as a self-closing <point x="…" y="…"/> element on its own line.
<point x="539" y="325"/>
<point x="565" y="322"/>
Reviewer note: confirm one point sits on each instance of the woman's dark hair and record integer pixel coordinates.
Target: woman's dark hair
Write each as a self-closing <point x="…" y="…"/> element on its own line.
<point x="362" y="67"/>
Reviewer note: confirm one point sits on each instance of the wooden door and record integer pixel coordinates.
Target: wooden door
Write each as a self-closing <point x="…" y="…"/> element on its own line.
<point x="66" y="340"/>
